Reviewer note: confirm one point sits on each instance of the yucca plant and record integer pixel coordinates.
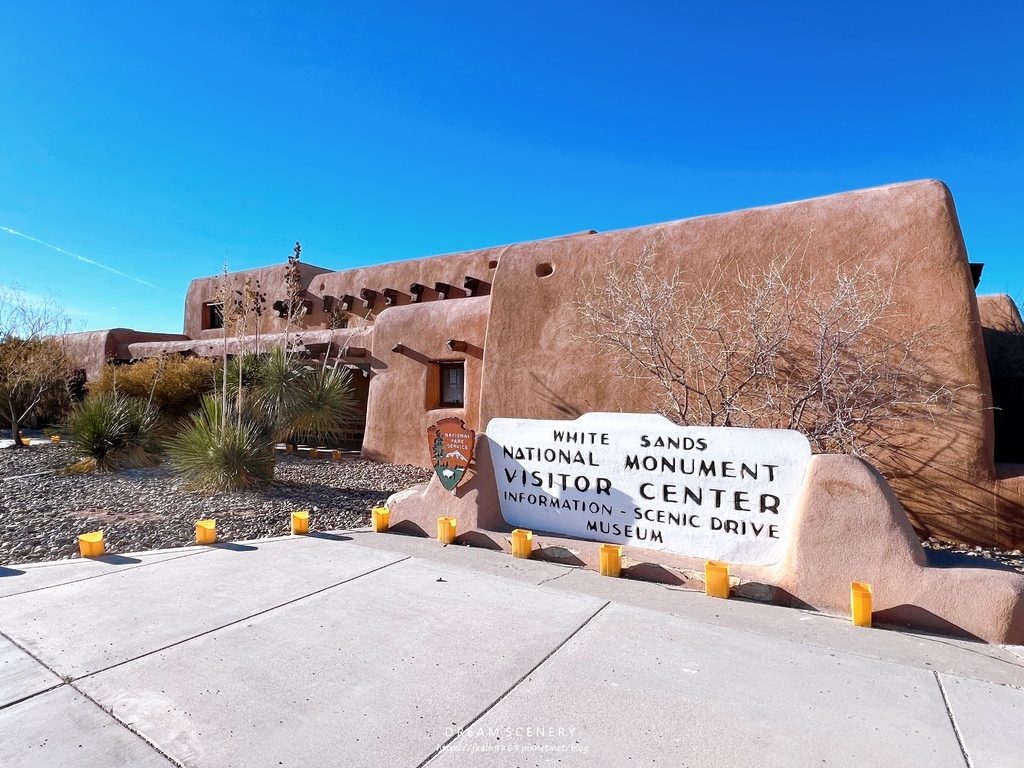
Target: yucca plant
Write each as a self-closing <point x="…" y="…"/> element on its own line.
<point x="274" y="391"/>
<point x="113" y="432"/>
<point x="216" y="451"/>
<point x="322" y="405"/>
<point x="245" y="371"/>
<point x="315" y="403"/>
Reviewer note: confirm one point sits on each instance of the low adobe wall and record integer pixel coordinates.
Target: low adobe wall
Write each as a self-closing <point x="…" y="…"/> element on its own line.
<point x="848" y="526"/>
<point x="91" y="350"/>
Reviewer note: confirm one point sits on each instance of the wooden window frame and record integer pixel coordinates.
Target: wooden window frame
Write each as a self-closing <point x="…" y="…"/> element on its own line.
<point x="443" y="367"/>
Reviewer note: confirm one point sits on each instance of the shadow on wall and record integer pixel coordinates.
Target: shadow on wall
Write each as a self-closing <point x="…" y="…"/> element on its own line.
<point x="946" y="498"/>
<point x="551" y="398"/>
<point x="944" y="480"/>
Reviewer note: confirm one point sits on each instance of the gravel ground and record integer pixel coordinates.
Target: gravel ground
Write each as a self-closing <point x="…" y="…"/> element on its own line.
<point x="42" y="511"/>
<point x="1013" y="559"/>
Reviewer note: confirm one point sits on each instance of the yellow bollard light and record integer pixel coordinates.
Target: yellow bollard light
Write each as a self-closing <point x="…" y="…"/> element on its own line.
<point x="55" y="438"/>
<point x="716" y="579"/>
<point x="336" y="455"/>
<point x="446" y="530"/>
<point x="26" y="441"/>
<point x="380" y="518"/>
<point x="522" y="543"/>
<point x="300" y="522"/>
<point x="289" y="448"/>
<point x="314" y="453"/>
<point x="611" y="560"/>
<point x="860" y="603"/>
<point x="91" y="544"/>
<point x="206" y="532"/>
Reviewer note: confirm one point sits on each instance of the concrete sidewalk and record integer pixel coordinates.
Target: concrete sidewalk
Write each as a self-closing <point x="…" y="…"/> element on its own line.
<point x="378" y="649"/>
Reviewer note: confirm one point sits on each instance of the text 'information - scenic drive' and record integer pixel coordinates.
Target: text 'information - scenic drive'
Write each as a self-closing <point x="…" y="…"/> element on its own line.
<point x="710" y="492"/>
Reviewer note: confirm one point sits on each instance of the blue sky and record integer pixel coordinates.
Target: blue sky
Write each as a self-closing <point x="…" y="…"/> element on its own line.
<point x="159" y="139"/>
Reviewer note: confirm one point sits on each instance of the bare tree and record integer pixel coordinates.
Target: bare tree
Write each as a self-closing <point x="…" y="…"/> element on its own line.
<point x="35" y="369"/>
<point x="824" y="353"/>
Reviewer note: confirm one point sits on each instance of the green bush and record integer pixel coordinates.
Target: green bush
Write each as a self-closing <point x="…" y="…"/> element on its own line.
<point x="323" y="404"/>
<point x="228" y="443"/>
<point x="175" y="385"/>
<point x="313" y="403"/>
<point x="113" y="432"/>
<point x="278" y="379"/>
<point x="218" y="451"/>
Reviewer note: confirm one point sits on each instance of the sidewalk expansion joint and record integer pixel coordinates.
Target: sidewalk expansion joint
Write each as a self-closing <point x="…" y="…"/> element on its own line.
<point x="122" y="569"/>
<point x="952" y="721"/>
<point x="53" y="687"/>
<point x="1016" y="650"/>
<point x="514" y="686"/>
<point x="63" y="679"/>
<point x="109" y="712"/>
<point x="240" y="620"/>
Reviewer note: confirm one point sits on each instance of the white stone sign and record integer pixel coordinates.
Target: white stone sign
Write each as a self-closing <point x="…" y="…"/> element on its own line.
<point x="710" y="492"/>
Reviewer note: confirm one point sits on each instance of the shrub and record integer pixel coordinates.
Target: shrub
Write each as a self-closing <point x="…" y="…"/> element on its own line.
<point x="777" y="346"/>
<point x="113" y="432"/>
<point x="323" y="404"/>
<point x="315" y="403"/>
<point x="218" y="451"/>
<point x="279" y="378"/>
<point x="175" y="385"/>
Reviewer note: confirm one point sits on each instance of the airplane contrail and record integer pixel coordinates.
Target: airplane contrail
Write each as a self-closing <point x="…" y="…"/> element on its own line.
<point x="88" y="261"/>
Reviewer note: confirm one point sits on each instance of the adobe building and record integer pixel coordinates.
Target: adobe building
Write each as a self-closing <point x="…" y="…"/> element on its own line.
<point x="497" y="333"/>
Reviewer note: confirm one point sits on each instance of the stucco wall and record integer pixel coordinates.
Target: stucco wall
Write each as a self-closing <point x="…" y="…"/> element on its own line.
<point x="402" y="401"/>
<point x="204" y="290"/>
<point x="399" y="275"/>
<point x="91" y="350"/>
<point x="537" y="366"/>
<point x="319" y="282"/>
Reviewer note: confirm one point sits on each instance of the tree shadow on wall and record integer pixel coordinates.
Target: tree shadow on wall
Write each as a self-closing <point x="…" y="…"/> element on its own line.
<point x="948" y="492"/>
<point x="549" y="397"/>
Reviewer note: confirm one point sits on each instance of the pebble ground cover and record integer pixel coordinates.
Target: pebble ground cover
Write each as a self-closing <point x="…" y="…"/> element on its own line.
<point x="43" y="510"/>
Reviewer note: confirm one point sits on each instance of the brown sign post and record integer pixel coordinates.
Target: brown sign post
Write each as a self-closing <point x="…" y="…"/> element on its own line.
<point x="451" y="450"/>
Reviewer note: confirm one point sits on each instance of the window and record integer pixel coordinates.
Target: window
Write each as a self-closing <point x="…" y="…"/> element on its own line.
<point x="213" y="316"/>
<point x="453" y="379"/>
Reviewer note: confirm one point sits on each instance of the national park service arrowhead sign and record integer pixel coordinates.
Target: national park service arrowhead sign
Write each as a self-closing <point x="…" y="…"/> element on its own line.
<point x="451" y="450"/>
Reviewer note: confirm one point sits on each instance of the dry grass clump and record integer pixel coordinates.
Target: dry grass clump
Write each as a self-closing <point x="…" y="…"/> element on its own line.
<point x="216" y="451"/>
<point x="112" y="432"/>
